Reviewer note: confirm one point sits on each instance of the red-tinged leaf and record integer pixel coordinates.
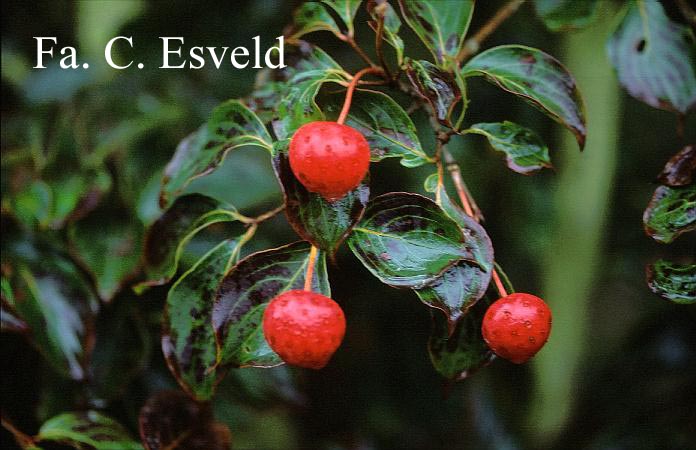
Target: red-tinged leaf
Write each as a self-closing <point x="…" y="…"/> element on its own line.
<point x="406" y="240"/>
<point x="167" y="237"/>
<point x="680" y="169"/>
<point x="244" y="294"/>
<point x="672" y="281"/>
<point x="188" y="338"/>
<point x="671" y="212"/>
<point x="654" y="57"/>
<point x="325" y="224"/>
<point x="536" y="77"/>
<point x="87" y="430"/>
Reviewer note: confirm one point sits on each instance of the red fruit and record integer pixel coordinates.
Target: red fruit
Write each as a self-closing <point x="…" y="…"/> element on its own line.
<point x="329" y="158"/>
<point x="304" y="328"/>
<point x="517" y="326"/>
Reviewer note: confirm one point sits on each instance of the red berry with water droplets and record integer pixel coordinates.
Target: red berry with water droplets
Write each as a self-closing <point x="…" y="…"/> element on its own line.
<point x="517" y="326"/>
<point x="304" y="328"/>
<point x="329" y="158"/>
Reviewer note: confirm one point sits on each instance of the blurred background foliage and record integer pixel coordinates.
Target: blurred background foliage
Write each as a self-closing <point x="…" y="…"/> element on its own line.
<point x="82" y="157"/>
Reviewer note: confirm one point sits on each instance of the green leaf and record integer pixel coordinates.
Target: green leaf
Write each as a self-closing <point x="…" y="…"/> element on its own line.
<point x="680" y="169"/>
<point x="108" y="245"/>
<point x="565" y="15"/>
<point x="231" y="125"/>
<point x="674" y="282"/>
<point x="459" y="353"/>
<point x="55" y="301"/>
<point x="437" y="87"/>
<point x="536" y="77"/>
<point x="89" y="429"/>
<point x="171" y="420"/>
<point x="167" y="237"/>
<point x="441" y="27"/>
<point x="244" y="294"/>
<point x="655" y="58"/>
<point x="325" y="224"/>
<point x="524" y="150"/>
<point x="463" y="284"/>
<point x="302" y="79"/>
<point x="383" y="14"/>
<point x="386" y="126"/>
<point x="188" y="338"/>
<point x="406" y="240"/>
<point x="671" y="212"/>
<point x="346" y="10"/>
<point x="311" y="17"/>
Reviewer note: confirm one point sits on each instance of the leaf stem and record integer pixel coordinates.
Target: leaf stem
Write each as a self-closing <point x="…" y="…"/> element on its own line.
<point x="351" y="87"/>
<point x="499" y="284"/>
<point x="473" y="44"/>
<point x="260" y="218"/>
<point x="310" y="269"/>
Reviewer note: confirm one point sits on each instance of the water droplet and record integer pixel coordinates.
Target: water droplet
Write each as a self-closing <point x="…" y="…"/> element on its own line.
<point x="532" y="339"/>
<point x="515" y="333"/>
<point x="528" y="323"/>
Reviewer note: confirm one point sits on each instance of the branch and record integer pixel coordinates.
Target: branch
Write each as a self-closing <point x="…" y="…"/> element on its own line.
<point x="350" y="41"/>
<point x="473" y="44"/>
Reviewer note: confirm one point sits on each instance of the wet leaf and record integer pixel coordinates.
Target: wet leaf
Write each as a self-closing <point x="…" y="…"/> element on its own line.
<point x="230" y="126"/>
<point x="437" y="87"/>
<point x="406" y="240"/>
<point x="383" y="13"/>
<point x="244" y="294"/>
<point x="303" y="80"/>
<point x="463" y="284"/>
<point x="325" y="224"/>
<point x="524" y="150"/>
<point x="311" y="17"/>
<point x="386" y="126"/>
<point x="655" y="58"/>
<point x="536" y="77"/>
<point x="169" y="419"/>
<point x="680" y="169"/>
<point x="52" y="297"/>
<point x="89" y="429"/>
<point x="674" y="282"/>
<point x="188" y="338"/>
<point x="167" y="237"/>
<point x="565" y="15"/>
<point x="346" y="10"/>
<point x="441" y="27"/>
<point x="671" y="212"/>
<point x="457" y="354"/>
<point x="109" y="247"/>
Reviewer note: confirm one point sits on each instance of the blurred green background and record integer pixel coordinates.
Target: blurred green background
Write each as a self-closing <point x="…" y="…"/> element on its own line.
<point x="619" y="370"/>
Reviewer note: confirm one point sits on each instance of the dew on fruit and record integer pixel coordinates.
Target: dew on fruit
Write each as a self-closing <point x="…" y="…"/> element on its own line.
<point x="528" y="323"/>
<point x="532" y="339"/>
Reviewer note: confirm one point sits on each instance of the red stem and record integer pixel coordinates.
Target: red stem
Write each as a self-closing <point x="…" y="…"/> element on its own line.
<point x="351" y="87"/>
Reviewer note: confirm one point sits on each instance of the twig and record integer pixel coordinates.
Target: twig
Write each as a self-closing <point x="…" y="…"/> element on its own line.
<point x="310" y="269"/>
<point x="350" y="41"/>
<point x="22" y="439"/>
<point x="378" y="45"/>
<point x="472" y="45"/>
<point x="351" y="87"/>
<point x="260" y="218"/>
<point x="468" y="203"/>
